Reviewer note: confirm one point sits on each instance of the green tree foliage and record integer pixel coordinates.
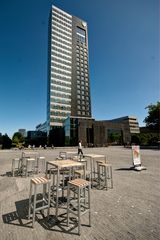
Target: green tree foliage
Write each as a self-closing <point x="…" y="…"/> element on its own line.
<point x="153" y="119"/>
<point x="6" y="142"/>
<point x="145" y="139"/>
<point x="17" y="139"/>
<point x="115" y="138"/>
<point x="0" y="140"/>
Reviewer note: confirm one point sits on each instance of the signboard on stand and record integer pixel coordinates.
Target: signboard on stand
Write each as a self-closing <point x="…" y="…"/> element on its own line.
<point x="136" y="156"/>
<point x="137" y="159"/>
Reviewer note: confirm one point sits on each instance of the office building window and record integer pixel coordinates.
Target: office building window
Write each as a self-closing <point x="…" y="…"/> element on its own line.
<point x="81" y="35"/>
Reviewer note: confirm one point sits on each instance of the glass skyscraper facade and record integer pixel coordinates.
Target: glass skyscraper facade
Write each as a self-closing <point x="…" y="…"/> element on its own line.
<point x="68" y="71"/>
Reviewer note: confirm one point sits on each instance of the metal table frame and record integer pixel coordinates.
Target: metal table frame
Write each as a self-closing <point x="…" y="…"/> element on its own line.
<point x="59" y="165"/>
<point x="93" y="157"/>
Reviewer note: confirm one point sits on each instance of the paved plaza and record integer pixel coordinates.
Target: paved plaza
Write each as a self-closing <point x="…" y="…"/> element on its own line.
<point x="130" y="210"/>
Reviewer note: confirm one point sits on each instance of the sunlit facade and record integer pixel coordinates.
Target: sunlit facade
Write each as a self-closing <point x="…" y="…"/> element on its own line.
<point x="68" y="75"/>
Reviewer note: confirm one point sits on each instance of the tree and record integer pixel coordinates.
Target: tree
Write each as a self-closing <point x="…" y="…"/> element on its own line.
<point x="17" y="139"/>
<point x="1" y="141"/>
<point x="6" y="142"/>
<point x="153" y="119"/>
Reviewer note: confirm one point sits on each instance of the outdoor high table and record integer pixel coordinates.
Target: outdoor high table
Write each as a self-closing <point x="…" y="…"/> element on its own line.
<point x="59" y="165"/>
<point x="30" y="154"/>
<point x="26" y="155"/>
<point x="71" y="154"/>
<point x="94" y="157"/>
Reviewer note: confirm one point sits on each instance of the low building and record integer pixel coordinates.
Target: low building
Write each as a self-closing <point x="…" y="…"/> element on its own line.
<point x="36" y="138"/>
<point x="98" y="133"/>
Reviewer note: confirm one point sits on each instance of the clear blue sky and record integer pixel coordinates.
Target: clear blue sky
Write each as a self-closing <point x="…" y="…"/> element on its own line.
<point x="123" y="56"/>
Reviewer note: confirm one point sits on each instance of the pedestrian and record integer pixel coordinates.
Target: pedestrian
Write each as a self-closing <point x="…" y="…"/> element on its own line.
<point x="80" y="148"/>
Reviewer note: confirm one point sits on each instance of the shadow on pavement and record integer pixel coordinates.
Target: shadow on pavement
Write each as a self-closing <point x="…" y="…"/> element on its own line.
<point x="18" y="217"/>
<point x="60" y="225"/>
<point x="7" y="174"/>
<point x="125" y="169"/>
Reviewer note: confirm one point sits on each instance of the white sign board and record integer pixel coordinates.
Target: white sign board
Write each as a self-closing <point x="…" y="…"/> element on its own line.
<point x="136" y="155"/>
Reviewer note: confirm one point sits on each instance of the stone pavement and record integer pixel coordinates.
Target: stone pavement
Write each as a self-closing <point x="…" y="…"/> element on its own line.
<point x="130" y="210"/>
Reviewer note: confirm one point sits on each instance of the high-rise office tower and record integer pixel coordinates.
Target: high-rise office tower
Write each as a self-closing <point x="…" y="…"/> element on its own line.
<point x="68" y="70"/>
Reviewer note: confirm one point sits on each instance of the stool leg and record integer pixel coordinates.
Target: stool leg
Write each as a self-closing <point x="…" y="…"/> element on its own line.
<point x="68" y="202"/>
<point x="89" y="204"/>
<point x="98" y="170"/>
<point x="111" y="177"/>
<point x="13" y="167"/>
<point x="43" y="196"/>
<point x="57" y="192"/>
<point x="85" y="196"/>
<point x="94" y="169"/>
<point x="34" y="206"/>
<point x="49" y="198"/>
<point x="84" y="171"/>
<point x="106" y="182"/>
<point x="38" y="160"/>
<point x="30" y="198"/>
<point x="63" y="182"/>
<point x="79" y="212"/>
<point x="70" y="174"/>
<point x="100" y="177"/>
<point x="54" y="181"/>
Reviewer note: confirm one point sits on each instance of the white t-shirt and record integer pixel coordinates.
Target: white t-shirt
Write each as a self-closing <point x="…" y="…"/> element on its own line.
<point x="80" y="145"/>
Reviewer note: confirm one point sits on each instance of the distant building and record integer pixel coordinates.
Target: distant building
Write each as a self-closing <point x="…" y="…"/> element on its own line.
<point x="36" y="138"/>
<point x="97" y="133"/>
<point x="23" y="132"/>
<point x="42" y="127"/>
<point x="68" y="69"/>
<point x="69" y="115"/>
<point x="131" y="121"/>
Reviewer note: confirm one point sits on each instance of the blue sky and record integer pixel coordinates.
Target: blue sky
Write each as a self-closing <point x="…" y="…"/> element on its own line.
<point x="123" y="57"/>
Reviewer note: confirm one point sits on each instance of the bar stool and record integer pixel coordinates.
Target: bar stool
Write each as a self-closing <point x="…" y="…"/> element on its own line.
<point x="30" y="166"/>
<point x="83" y="161"/>
<point x="62" y="155"/>
<point x="35" y="204"/>
<point x="40" y="164"/>
<point x="15" y="166"/>
<point x="64" y="176"/>
<point x="105" y="174"/>
<point x="81" y="204"/>
<point x="80" y="174"/>
<point x="79" y="158"/>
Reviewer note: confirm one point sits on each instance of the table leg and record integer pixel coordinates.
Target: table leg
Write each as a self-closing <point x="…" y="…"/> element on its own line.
<point x="70" y="173"/>
<point x="84" y="171"/>
<point x="94" y="169"/>
<point x="57" y="193"/>
<point x="46" y="169"/>
<point x="91" y="163"/>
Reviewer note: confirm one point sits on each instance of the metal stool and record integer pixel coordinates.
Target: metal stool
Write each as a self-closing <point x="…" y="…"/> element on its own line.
<point x="105" y="174"/>
<point x="62" y="155"/>
<point x="15" y="166"/>
<point x="40" y="203"/>
<point x="30" y="166"/>
<point x="40" y="165"/>
<point x="80" y="174"/>
<point x="83" y="161"/>
<point x="65" y="175"/>
<point x="79" y="158"/>
<point x="81" y="204"/>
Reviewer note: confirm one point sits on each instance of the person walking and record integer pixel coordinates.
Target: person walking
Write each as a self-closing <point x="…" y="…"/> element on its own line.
<point x="80" y="148"/>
